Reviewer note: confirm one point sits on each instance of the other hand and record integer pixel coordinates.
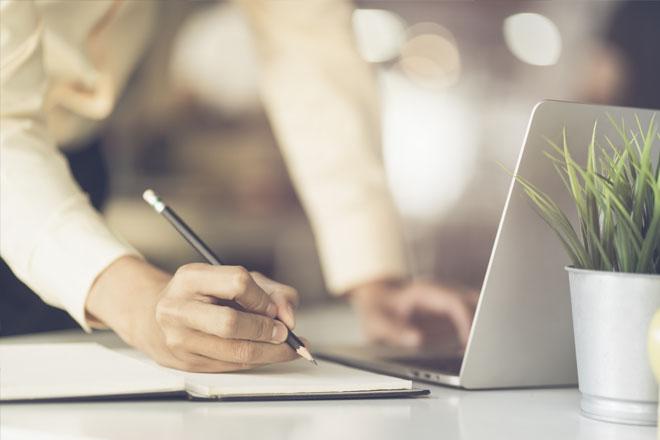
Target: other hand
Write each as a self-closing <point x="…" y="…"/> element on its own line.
<point x="413" y="314"/>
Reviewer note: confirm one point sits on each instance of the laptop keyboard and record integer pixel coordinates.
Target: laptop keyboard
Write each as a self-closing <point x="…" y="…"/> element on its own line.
<point x="450" y="366"/>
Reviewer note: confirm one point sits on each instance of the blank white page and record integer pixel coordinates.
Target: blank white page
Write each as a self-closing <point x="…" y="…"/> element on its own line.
<point x="47" y="371"/>
<point x="293" y="378"/>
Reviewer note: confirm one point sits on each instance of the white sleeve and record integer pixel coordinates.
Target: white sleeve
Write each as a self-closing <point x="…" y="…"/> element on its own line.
<point x="322" y="101"/>
<point x="50" y="236"/>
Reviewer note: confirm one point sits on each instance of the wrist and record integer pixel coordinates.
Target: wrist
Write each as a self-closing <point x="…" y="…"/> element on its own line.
<point x="124" y="295"/>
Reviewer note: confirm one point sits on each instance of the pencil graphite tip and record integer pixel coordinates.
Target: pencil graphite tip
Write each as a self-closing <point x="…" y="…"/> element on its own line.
<point x="152" y="199"/>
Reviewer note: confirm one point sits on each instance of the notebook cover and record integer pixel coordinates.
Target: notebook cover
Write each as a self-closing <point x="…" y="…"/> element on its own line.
<point x="350" y="395"/>
<point x="178" y="395"/>
<point x="182" y="395"/>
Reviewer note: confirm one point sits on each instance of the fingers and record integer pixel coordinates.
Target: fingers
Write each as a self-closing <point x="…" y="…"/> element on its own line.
<point x="271" y="287"/>
<point x="284" y="310"/>
<point x="240" y="353"/>
<point x="471" y="299"/>
<point x="198" y="332"/>
<point x="450" y="305"/>
<point x="225" y="322"/>
<point x="399" y="334"/>
<point x="285" y="297"/>
<point x="232" y="283"/>
<point x="404" y="316"/>
<point x="386" y="328"/>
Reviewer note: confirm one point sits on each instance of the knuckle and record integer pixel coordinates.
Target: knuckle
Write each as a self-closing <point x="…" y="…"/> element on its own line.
<point x="165" y="312"/>
<point x="247" y="353"/>
<point x="263" y="329"/>
<point x="187" y="271"/>
<point x="161" y="314"/>
<point x="263" y="302"/>
<point x="229" y="322"/>
<point x="175" y="341"/>
<point x="241" y="279"/>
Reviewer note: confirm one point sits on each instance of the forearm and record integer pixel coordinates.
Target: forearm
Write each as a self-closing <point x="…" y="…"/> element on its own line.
<point x="322" y="101"/>
<point x="50" y="236"/>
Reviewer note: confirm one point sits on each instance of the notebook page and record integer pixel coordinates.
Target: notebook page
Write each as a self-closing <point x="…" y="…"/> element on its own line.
<point x="292" y="378"/>
<point x="46" y="371"/>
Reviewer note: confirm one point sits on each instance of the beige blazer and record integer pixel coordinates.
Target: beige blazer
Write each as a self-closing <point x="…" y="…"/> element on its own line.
<point x="63" y="65"/>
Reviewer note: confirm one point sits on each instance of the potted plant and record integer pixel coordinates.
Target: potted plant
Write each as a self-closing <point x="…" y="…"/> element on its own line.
<point x="615" y="272"/>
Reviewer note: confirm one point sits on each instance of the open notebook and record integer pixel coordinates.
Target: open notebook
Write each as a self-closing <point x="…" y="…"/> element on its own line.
<point x="90" y="371"/>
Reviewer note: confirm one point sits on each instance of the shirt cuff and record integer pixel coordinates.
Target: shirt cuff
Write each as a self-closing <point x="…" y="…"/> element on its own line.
<point x="75" y="247"/>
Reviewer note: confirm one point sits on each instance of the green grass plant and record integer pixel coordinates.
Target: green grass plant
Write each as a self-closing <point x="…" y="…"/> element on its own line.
<point x="617" y="196"/>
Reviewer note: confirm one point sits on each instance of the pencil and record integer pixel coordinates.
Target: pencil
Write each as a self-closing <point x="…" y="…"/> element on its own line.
<point x="182" y="228"/>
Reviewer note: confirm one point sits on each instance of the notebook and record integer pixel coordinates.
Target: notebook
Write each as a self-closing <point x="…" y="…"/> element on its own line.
<point x="82" y="371"/>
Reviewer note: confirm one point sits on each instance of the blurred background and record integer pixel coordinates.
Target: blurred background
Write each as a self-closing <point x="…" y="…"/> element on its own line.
<point x="458" y="81"/>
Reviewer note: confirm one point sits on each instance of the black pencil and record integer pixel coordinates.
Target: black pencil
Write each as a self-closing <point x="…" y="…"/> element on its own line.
<point x="177" y="222"/>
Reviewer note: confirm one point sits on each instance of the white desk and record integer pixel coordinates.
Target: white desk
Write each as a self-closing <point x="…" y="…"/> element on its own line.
<point x="446" y="414"/>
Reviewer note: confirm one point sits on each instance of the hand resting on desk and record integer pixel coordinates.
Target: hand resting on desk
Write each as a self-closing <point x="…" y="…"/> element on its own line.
<point x="178" y="322"/>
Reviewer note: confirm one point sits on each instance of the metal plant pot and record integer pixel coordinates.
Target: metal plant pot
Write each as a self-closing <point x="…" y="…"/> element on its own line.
<point x="611" y="316"/>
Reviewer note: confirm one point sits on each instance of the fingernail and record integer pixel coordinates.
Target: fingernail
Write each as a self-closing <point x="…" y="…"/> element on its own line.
<point x="279" y="332"/>
<point x="271" y="310"/>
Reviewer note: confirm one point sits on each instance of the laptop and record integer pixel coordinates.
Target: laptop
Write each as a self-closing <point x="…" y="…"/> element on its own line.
<point x="522" y="333"/>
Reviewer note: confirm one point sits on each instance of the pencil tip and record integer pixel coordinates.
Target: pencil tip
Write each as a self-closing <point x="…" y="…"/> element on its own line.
<point x="304" y="353"/>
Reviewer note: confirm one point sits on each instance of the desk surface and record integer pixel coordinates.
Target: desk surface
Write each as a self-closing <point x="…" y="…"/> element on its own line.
<point x="446" y="414"/>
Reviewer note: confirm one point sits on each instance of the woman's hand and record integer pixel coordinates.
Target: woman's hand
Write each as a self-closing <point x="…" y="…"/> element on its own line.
<point x="184" y="321"/>
<point x="415" y="313"/>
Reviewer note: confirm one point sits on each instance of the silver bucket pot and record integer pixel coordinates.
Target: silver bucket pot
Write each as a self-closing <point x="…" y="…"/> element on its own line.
<point x="611" y="316"/>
